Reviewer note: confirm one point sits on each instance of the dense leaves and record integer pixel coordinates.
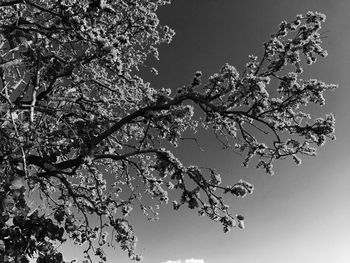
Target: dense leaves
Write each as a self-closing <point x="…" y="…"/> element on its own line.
<point x="81" y="134"/>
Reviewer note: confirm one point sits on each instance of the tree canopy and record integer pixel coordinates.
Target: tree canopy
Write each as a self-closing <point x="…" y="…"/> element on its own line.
<point x="84" y="137"/>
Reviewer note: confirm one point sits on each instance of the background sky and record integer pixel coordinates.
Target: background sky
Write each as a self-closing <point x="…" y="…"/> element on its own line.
<point x="302" y="213"/>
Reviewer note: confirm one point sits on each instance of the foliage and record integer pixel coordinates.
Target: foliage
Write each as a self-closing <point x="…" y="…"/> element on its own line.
<point x="81" y="134"/>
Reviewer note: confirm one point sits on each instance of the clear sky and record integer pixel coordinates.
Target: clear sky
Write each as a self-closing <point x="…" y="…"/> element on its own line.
<point x="302" y="213"/>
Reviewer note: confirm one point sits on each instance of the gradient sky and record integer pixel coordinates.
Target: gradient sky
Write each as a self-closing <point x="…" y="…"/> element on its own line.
<point x="302" y="213"/>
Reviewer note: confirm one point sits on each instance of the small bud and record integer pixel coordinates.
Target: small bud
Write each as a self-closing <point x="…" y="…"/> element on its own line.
<point x="198" y="74"/>
<point x="240" y="217"/>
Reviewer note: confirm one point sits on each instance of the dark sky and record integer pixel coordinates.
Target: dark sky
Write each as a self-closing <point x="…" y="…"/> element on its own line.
<point x="302" y="213"/>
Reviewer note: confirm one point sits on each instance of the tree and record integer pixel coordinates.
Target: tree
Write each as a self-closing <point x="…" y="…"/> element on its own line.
<point x="84" y="132"/>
